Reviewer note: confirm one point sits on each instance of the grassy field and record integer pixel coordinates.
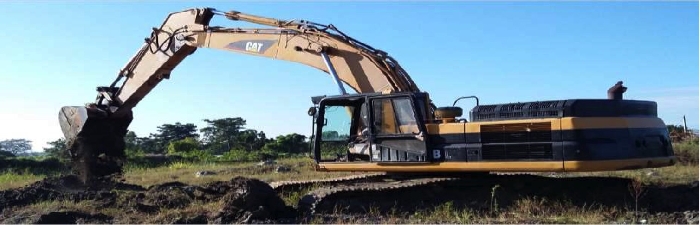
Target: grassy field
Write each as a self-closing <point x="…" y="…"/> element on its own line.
<point x="301" y="169"/>
<point x="14" y="180"/>
<point x="525" y="210"/>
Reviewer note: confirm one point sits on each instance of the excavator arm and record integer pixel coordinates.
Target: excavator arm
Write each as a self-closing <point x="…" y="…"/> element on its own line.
<point x="360" y="66"/>
<point x="94" y="133"/>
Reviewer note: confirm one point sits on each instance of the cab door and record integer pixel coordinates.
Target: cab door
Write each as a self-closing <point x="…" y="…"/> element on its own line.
<point x="397" y="133"/>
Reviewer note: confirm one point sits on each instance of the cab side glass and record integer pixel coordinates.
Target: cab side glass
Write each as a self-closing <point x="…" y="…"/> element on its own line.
<point x="335" y="132"/>
<point x="337" y="121"/>
<point x="394" y="116"/>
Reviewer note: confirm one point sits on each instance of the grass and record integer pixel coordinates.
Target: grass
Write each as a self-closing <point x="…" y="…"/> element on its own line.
<point x="302" y="169"/>
<point x="24" y="213"/>
<point x="174" y="214"/>
<point x="677" y="174"/>
<point x="526" y="210"/>
<point x="523" y="210"/>
<point x="292" y="197"/>
<point x="10" y="180"/>
<point x="687" y="152"/>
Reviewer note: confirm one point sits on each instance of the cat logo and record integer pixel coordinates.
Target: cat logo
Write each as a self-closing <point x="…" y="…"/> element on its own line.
<point x="253" y="47"/>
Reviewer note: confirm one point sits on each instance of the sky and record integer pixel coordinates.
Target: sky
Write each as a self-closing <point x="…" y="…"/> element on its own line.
<point x="56" y="52"/>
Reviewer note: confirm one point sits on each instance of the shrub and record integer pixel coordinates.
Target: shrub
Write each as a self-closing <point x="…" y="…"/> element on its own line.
<point x="33" y="166"/>
<point x="6" y="154"/>
<point x="687" y="152"/>
<point x="186" y="145"/>
<point x="238" y="155"/>
<point x="132" y="153"/>
<point x="197" y="155"/>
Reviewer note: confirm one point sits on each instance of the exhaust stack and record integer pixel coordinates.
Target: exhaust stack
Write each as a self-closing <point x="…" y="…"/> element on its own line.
<point x="615" y="92"/>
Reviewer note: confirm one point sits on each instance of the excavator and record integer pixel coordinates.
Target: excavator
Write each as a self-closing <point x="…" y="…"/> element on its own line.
<point x="389" y="124"/>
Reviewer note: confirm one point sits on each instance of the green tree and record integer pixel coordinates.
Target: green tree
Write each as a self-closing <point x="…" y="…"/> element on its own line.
<point x="251" y="139"/>
<point x="133" y="147"/>
<point x="220" y="135"/>
<point x="675" y="128"/>
<point x="186" y="145"/>
<point x="4" y="154"/>
<point x="177" y="131"/>
<point x="57" y="149"/>
<point x="131" y="140"/>
<point x="16" y="146"/>
<point x="329" y="135"/>
<point x="189" y="148"/>
<point x="149" y="145"/>
<point x="291" y="143"/>
<point x="166" y="133"/>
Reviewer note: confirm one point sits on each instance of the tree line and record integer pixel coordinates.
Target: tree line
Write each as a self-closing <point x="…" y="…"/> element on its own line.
<point x="226" y="137"/>
<point x="11" y="147"/>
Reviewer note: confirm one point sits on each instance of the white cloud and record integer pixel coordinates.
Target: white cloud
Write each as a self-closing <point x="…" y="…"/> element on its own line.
<point x="673" y="103"/>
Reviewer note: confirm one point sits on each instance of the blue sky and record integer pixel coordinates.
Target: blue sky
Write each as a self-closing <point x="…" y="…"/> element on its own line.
<point x="55" y="54"/>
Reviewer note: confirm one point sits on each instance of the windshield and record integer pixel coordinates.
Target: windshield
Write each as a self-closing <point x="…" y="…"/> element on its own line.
<point x="337" y="122"/>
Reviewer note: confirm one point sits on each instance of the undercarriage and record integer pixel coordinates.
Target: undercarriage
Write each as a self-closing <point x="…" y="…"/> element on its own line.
<point x="480" y="192"/>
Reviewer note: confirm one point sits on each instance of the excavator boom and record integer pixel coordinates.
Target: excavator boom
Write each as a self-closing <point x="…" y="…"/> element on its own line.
<point x="360" y="66"/>
<point x="94" y="133"/>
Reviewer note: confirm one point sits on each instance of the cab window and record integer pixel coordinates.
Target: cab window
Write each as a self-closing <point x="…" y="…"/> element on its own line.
<point x="394" y="116"/>
<point x="337" y="121"/>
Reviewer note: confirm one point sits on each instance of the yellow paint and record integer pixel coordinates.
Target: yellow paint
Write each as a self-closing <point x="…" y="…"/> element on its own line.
<point x="443" y="167"/>
<point x="571" y="123"/>
<point x="445" y="128"/>
<point x="521" y="166"/>
<point x="409" y="129"/>
<point x="475" y="127"/>
<point x="607" y="165"/>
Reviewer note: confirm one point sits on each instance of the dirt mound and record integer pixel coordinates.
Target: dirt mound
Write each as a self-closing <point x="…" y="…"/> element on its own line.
<point x="244" y="200"/>
<point x="67" y="217"/>
<point x="249" y="200"/>
<point x="169" y="195"/>
<point x="72" y="218"/>
<point x="61" y="188"/>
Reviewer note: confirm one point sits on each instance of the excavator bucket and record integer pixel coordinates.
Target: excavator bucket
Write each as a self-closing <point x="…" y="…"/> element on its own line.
<point x="95" y="140"/>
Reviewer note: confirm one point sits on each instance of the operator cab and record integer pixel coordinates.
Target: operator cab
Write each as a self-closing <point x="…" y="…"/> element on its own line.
<point x="370" y="127"/>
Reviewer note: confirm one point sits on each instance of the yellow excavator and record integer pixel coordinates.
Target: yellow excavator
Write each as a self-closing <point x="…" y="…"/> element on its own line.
<point x="389" y="124"/>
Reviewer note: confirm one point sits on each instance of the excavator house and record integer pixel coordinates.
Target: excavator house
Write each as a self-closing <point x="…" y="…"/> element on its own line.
<point x="401" y="133"/>
<point x="389" y="124"/>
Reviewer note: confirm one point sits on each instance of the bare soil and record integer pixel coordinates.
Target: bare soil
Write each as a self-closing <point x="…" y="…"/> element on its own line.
<point x="247" y="200"/>
<point x="244" y="200"/>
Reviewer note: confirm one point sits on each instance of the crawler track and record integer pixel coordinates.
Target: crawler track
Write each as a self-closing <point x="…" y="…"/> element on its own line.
<point x="298" y="185"/>
<point x="386" y="191"/>
<point x="324" y="199"/>
<point x="340" y="189"/>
